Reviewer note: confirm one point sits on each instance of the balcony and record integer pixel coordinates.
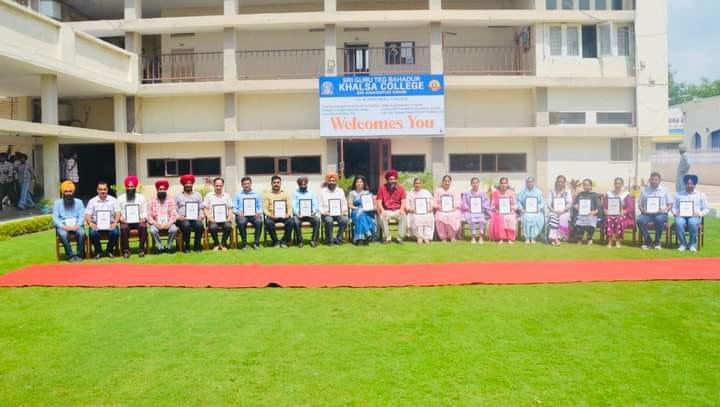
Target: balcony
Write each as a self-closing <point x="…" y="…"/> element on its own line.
<point x="186" y="67"/>
<point x="383" y="60"/>
<point x="281" y="64"/>
<point x="488" y="61"/>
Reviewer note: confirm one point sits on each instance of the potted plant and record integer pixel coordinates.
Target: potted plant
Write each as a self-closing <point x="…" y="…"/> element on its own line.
<point x="45" y="206"/>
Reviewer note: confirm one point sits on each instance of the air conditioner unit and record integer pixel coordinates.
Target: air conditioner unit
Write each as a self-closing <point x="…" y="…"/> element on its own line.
<point x="50" y="8"/>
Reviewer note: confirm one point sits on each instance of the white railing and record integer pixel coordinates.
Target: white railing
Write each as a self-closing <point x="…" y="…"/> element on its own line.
<point x="280" y="63"/>
<point x="383" y="60"/>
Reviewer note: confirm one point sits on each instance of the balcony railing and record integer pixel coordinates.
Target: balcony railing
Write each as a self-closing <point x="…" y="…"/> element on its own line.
<point x="190" y="67"/>
<point x="387" y="60"/>
<point x="281" y="63"/>
<point x="488" y="61"/>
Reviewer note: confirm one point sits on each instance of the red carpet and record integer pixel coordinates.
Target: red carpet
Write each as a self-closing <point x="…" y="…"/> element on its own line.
<point x="389" y="275"/>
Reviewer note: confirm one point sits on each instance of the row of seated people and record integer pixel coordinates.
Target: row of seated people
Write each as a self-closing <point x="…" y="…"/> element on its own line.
<point x="567" y="215"/>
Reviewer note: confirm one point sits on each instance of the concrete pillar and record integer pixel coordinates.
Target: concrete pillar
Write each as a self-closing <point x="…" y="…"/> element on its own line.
<point x="330" y="5"/>
<point x="333" y="164"/>
<point x="231" y="7"/>
<point x="231" y="124"/>
<point x="330" y="50"/>
<point x="230" y="69"/>
<point x="435" y="4"/>
<point x="437" y="159"/>
<point x="51" y="167"/>
<point x="542" y="116"/>
<point x="121" y="163"/>
<point x="542" y="177"/>
<point x="436" y="48"/>
<point x="231" y="174"/>
<point x="133" y="9"/>
<point x="133" y="42"/>
<point x="132" y="158"/>
<point x="538" y="33"/>
<point x="66" y="44"/>
<point x="120" y="113"/>
<point x="49" y="99"/>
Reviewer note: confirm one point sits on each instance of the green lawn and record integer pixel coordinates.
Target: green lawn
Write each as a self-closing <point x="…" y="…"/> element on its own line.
<point x="652" y="343"/>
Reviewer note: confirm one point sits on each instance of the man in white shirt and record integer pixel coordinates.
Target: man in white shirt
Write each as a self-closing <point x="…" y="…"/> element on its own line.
<point x="655" y="203"/>
<point x="689" y="208"/>
<point x="105" y="206"/>
<point x="218" y="211"/>
<point x="333" y="208"/>
<point x="133" y="216"/>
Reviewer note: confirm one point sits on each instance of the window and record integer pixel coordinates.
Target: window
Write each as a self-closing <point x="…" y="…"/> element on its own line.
<point x="621" y="149"/>
<point x="605" y="34"/>
<point x="206" y="166"/>
<point x="170" y="167"/>
<point x="559" y="118"/>
<point x="584" y="4"/>
<point x="556" y="40"/>
<point x="617" y="4"/>
<point x="400" y="53"/>
<point x="567" y="4"/>
<point x="259" y="165"/>
<point x="409" y="163"/>
<point x="589" y="41"/>
<point x="600" y="4"/>
<point x="615" y="118"/>
<point x="464" y="162"/>
<point x="305" y="165"/>
<point x="667" y="147"/>
<point x="715" y="140"/>
<point x="551" y="4"/>
<point x="511" y="163"/>
<point x="282" y="165"/>
<point x="573" y="41"/>
<point x="156" y="168"/>
<point x="623" y="41"/>
<point x="697" y="142"/>
<point x="489" y="163"/>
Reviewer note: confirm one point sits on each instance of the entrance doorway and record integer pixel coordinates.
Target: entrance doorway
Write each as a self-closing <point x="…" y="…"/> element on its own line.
<point x="370" y="158"/>
<point x="96" y="162"/>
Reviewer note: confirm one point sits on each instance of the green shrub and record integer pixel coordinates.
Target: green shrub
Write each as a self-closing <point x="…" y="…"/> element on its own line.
<point x="406" y="180"/>
<point x="25" y="226"/>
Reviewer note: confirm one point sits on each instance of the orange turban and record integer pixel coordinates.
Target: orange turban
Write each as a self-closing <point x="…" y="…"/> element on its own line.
<point x="331" y="175"/>
<point x="67" y="185"/>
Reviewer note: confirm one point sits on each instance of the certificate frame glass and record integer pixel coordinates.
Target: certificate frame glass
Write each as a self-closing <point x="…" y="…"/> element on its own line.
<point x="559" y="204"/>
<point x="504" y="207"/>
<point x="335" y="207"/>
<point x="367" y="202"/>
<point x="192" y="210"/>
<point x="305" y="206"/>
<point x="531" y="204"/>
<point x="280" y="208"/>
<point x="447" y="203"/>
<point x="221" y="210"/>
<point x="249" y="207"/>
<point x="584" y="206"/>
<point x="132" y="213"/>
<point x="687" y="209"/>
<point x="652" y="204"/>
<point x="70" y="221"/>
<point x="421" y="206"/>
<point x="614" y="206"/>
<point x="103" y="219"/>
<point x="476" y="205"/>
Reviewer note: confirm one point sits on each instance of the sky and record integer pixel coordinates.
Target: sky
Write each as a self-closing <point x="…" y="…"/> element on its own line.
<point x="694" y="39"/>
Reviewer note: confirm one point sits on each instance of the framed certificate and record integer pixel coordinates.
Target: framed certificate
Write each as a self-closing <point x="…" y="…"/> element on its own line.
<point x="559" y="204"/>
<point x="367" y="202"/>
<point x="163" y="219"/>
<point x="192" y="210"/>
<point x="504" y="206"/>
<point x="613" y="205"/>
<point x="305" y="208"/>
<point x="531" y="204"/>
<point x="652" y="204"/>
<point x="71" y="221"/>
<point x="687" y="209"/>
<point x="476" y="206"/>
<point x="220" y="213"/>
<point x="280" y="209"/>
<point x="421" y="206"/>
<point x="584" y="207"/>
<point x="248" y="207"/>
<point x="103" y="219"/>
<point x="335" y="207"/>
<point x="446" y="203"/>
<point x="132" y="213"/>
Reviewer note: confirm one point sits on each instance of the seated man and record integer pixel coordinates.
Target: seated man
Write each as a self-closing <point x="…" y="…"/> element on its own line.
<point x="391" y="201"/>
<point x="655" y="203"/>
<point x="102" y="216"/>
<point x="306" y="209"/>
<point x="68" y="217"/>
<point x="218" y="212"/>
<point x="333" y="208"/>
<point x="162" y="216"/>
<point x="277" y="208"/>
<point x="133" y="215"/>
<point x="243" y="216"/>
<point x="190" y="222"/>
<point x="689" y="208"/>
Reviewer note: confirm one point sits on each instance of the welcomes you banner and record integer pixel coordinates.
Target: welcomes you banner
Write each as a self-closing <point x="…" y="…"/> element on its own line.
<point x="384" y="105"/>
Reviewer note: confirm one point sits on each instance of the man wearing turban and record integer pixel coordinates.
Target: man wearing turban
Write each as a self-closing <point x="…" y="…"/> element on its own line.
<point x="333" y="208"/>
<point x="391" y="201"/>
<point x="133" y="216"/>
<point x="189" y="221"/>
<point x="68" y="213"/>
<point x="689" y="208"/>
<point x="162" y="216"/>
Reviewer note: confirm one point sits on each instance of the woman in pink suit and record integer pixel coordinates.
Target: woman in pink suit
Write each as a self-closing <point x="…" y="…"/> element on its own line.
<point x="503" y="226"/>
<point x="448" y="218"/>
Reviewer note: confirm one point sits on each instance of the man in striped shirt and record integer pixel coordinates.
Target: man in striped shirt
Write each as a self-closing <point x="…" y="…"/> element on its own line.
<point x="162" y="216"/>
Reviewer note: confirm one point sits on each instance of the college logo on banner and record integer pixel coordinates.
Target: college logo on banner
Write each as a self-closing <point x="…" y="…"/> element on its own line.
<point x="384" y="105"/>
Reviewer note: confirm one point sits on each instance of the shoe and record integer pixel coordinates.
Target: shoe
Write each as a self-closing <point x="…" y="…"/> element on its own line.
<point x="125" y="255"/>
<point x="681" y="248"/>
<point x="216" y="248"/>
<point x="693" y="249"/>
<point x="186" y="250"/>
<point x="399" y="241"/>
<point x="339" y="242"/>
<point x="313" y="243"/>
<point x="74" y="259"/>
<point x="644" y="247"/>
<point x="141" y="253"/>
<point x="300" y="244"/>
<point x="255" y="246"/>
<point x="283" y="245"/>
<point x="244" y="247"/>
<point x="223" y="248"/>
<point x="170" y="251"/>
<point x="160" y="250"/>
<point x="97" y="256"/>
<point x="658" y="247"/>
<point x="109" y="255"/>
<point x="474" y="241"/>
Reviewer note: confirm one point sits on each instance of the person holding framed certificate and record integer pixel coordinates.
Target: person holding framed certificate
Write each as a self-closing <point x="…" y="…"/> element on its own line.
<point x="618" y="208"/>
<point x="190" y="213"/>
<point x="133" y="216"/>
<point x="68" y="214"/>
<point x="655" y="203"/>
<point x="476" y="210"/>
<point x="689" y="208"/>
<point x="391" y="204"/>
<point x="162" y="216"/>
<point x="420" y="205"/>
<point x="558" y="219"/>
<point x="102" y="217"/>
<point x="248" y="210"/>
<point x="587" y="206"/>
<point x="503" y="223"/>
<point x="333" y="208"/>
<point x="532" y="205"/>
<point x="362" y="211"/>
<point x="218" y="212"/>
<point x="278" y="210"/>
<point x="306" y="209"/>
<point x="448" y="217"/>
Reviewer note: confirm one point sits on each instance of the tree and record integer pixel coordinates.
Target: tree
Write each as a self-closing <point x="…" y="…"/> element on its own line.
<point x="681" y="92"/>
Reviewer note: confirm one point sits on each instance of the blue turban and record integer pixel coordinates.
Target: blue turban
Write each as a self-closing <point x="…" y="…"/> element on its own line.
<point x="690" y="177"/>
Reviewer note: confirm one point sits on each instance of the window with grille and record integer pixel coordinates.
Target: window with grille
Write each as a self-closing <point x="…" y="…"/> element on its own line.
<point x="556" y="40"/>
<point x="560" y="118"/>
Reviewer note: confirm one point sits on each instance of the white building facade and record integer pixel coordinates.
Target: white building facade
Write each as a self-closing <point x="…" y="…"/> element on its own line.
<point x="231" y="88"/>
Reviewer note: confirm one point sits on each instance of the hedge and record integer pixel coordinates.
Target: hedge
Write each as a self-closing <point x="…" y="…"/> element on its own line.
<point x="25" y="226"/>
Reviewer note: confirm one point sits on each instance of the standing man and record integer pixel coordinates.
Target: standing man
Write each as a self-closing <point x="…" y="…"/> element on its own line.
<point x="102" y="216"/>
<point x="68" y="213"/>
<point x="655" y="203"/>
<point x="391" y="201"/>
<point x="162" y="216"/>
<point x="192" y="221"/>
<point x="333" y="208"/>
<point x="7" y="175"/>
<point x="689" y="208"/>
<point x="306" y="209"/>
<point x="278" y="209"/>
<point x="63" y="176"/>
<point x="25" y="177"/>
<point x="218" y="211"/>
<point x="71" y="169"/>
<point x="683" y="169"/>
<point x="243" y="217"/>
<point x="133" y="216"/>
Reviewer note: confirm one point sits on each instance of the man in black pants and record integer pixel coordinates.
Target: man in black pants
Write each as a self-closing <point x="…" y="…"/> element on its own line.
<point x="277" y="208"/>
<point x="190" y="222"/>
<point x="248" y="209"/>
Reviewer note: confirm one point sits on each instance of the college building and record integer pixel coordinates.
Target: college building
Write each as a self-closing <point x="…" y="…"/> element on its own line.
<point x="229" y="88"/>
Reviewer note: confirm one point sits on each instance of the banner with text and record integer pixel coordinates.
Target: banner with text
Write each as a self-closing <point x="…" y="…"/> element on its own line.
<point x="383" y="105"/>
